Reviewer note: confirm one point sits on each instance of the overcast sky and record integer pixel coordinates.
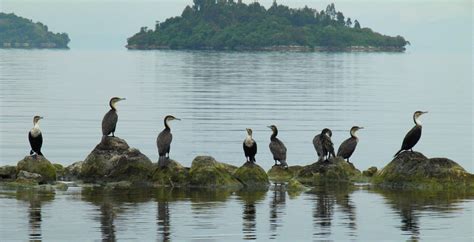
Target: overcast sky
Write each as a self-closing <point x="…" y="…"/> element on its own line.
<point x="106" y="24"/>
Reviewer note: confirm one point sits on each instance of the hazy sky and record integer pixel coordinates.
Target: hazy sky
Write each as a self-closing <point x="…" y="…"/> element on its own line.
<point x="106" y="24"/>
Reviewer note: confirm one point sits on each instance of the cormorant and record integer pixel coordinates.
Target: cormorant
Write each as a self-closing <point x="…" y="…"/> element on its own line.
<point x="250" y="147"/>
<point x="412" y="137"/>
<point x="323" y="145"/>
<point x="35" y="137"/>
<point x="348" y="146"/>
<point x="277" y="147"/>
<point x="109" y="122"/>
<point x="163" y="142"/>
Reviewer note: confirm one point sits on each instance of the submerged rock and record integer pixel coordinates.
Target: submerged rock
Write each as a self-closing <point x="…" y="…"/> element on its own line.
<point x="173" y="175"/>
<point x="39" y="165"/>
<point x="252" y="176"/>
<point x="414" y="170"/>
<point x="334" y="170"/>
<point x="295" y="186"/>
<point x="8" y="173"/>
<point x="279" y="173"/>
<point x="207" y="172"/>
<point x="113" y="160"/>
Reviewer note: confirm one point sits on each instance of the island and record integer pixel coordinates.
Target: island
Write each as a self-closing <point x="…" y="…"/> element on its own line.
<point x="230" y="25"/>
<point x="18" y="32"/>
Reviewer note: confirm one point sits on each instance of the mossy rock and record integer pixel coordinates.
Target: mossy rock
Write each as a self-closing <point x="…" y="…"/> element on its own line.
<point x="60" y="171"/>
<point x="73" y="171"/>
<point x="39" y="165"/>
<point x="7" y="173"/>
<point x="112" y="160"/>
<point x="207" y="172"/>
<point x="282" y="174"/>
<point x="173" y="175"/>
<point x="370" y="172"/>
<point x="414" y="170"/>
<point x="252" y="176"/>
<point x="334" y="170"/>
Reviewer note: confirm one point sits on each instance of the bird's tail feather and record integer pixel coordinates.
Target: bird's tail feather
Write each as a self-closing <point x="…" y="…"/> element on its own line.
<point x="398" y="153"/>
<point x="162" y="161"/>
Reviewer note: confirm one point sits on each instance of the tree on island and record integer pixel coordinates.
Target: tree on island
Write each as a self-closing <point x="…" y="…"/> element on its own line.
<point x="226" y="24"/>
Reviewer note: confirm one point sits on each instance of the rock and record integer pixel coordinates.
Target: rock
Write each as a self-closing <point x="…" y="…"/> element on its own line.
<point x="294" y="185"/>
<point x="39" y="165"/>
<point x="335" y="170"/>
<point x="414" y="170"/>
<point x="207" y="172"/>
<point x="29" y="176"/>
<point x="8" y="173"/>
<point x="280" y="174"/>
<point x="252" y="176"/>
<point x="60" y="171"/>
<point x="173" y="175"/>
<point x="370" y="172"/>
<point x="112" y="160"/>
<point x="73" y="171"/>
<point x="61" y="186"/>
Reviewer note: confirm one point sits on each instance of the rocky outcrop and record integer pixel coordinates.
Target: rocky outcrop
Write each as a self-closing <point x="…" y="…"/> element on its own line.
<point x="334" y="170"/>
<point x="29" y="177"/>
<point x="207" y="172"/>
<point x="282" y="174"/>
<point x="252" y="176"/>
<point x="7" y="173"/>
<point x="370" y="172"/>
<point x="173" y="175"/>
<point x="38" y="165"/>
<point x="73" y="171"/>
<point x="414" y="170"/>
<point x="113" y="160"/>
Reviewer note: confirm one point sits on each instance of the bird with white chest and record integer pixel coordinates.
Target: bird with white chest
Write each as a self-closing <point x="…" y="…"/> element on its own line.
<point x="36" y="137"/>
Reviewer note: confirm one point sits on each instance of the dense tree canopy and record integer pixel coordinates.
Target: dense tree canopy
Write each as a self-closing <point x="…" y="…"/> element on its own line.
<point x="226" y="24"/>
<point x="20" y="32"/>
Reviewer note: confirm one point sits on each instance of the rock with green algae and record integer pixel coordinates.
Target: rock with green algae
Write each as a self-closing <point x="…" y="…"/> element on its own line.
<point x="173" y="175"/>
<point x="112" y="160"/>
<point x="334" y="170"/>
<point x="39" y="165"/>
<point x="7" y="173"/>
<point x="281" y="174"/>
<point x="252" y="176"/>
<point x="414" y="170"/>
<point x="207" y="172"/>
<point x="73" y="171"/>
<point x="370" y="172"/>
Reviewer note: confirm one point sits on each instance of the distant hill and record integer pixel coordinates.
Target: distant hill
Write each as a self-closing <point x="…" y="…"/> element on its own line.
<point x="18" y="32"/>
<point x="230" y="25"/>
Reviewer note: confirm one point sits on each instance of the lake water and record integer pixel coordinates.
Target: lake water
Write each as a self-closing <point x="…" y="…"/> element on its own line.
<point x="217" y="95"/>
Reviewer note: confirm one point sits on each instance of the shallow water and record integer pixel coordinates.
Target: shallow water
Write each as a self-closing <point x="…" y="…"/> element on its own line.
<point x="331" y="213"/>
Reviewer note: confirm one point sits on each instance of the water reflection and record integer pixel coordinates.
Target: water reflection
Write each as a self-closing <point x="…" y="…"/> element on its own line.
<point x="249" y="213"/>
<point x="409" y="205"/>
<point x="36" y="200"/>
<point x="277" y="205"/>
<point x="163" y="221"/>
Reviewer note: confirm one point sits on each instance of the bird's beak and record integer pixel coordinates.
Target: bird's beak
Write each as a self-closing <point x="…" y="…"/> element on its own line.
<point x="361" y="127"/>
<point x="122" y="99"/>
<point x="41" y="117"/>
<point x="269" y="127"/>
<point x="425" y="112"/>
<point x="177" y="119"/>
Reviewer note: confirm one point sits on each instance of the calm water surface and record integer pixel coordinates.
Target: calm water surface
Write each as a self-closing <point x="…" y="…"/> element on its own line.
<point x="218" y="95"/>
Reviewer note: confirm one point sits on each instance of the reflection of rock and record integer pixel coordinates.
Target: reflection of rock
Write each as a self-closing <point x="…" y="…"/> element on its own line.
<point x="279" y="173"/>
<point x="336" y="170"/>
<point x="414" y="170"/>
<point x="173" y="175"/>
<point x="113" y="160"/>
<point x="8" y="173"/>
<point x="39" y="165"/>
<point x="207" y="172"/>
<point x="252" y="176"/>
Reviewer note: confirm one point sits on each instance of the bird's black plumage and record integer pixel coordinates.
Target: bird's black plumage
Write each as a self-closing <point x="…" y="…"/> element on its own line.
<point x="163" y="142"/>
<point x="250" y="151"/>
<point x="109" y="122"/>
<point x="347" y="148"/>
<point x="414" y="135"/>
<point x="318" y="144"/>
<point x="35" y="143"/>
<point x="277" y="148"/>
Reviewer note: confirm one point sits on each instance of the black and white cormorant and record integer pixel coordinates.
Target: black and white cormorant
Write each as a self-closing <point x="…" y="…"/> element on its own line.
<point x="250" y="147"/>
<point x="348" y="146"/>
<point x="323" y="145"/>
<point x="318" y="145"/>
<point x="412" y="137"/>
<point x="35" y="137"/>
<point x="109" y="122"/>
<point x="277" y="147"/>
<point x="163" y="142"/>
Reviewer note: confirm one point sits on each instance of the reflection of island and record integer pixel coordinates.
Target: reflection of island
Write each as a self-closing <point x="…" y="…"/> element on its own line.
<point x="249" y="213"/>
<point x="276" y="206"/>
<point x="36" y="201"/>
<point x="409" y="205"/>
<point x="325" y="200"/>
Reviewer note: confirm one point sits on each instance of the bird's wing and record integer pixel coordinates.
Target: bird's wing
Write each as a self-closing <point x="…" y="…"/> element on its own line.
<point x="411" y="138"/>
<point x="347" y="147"/>
<point x="163" y="141"/>
<point x="109" y="122"/>
<point x="318" y="145"/>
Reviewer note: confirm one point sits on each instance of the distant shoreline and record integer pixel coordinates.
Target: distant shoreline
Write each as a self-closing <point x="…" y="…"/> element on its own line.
<point x="30" y="46"/>
<point x="290" y="48"/>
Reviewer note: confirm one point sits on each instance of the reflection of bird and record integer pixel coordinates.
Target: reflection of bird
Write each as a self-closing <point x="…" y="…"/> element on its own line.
<point x="250" y="147"/>
<point x="277" y="147"/>
<point x="348" y="146"/>
<point x="323" y="145"/>
<point x="109" y="122"/>
<point x="35" y="137"/>
<point x="163" y="142"/>
<point x="412" y="137"/>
